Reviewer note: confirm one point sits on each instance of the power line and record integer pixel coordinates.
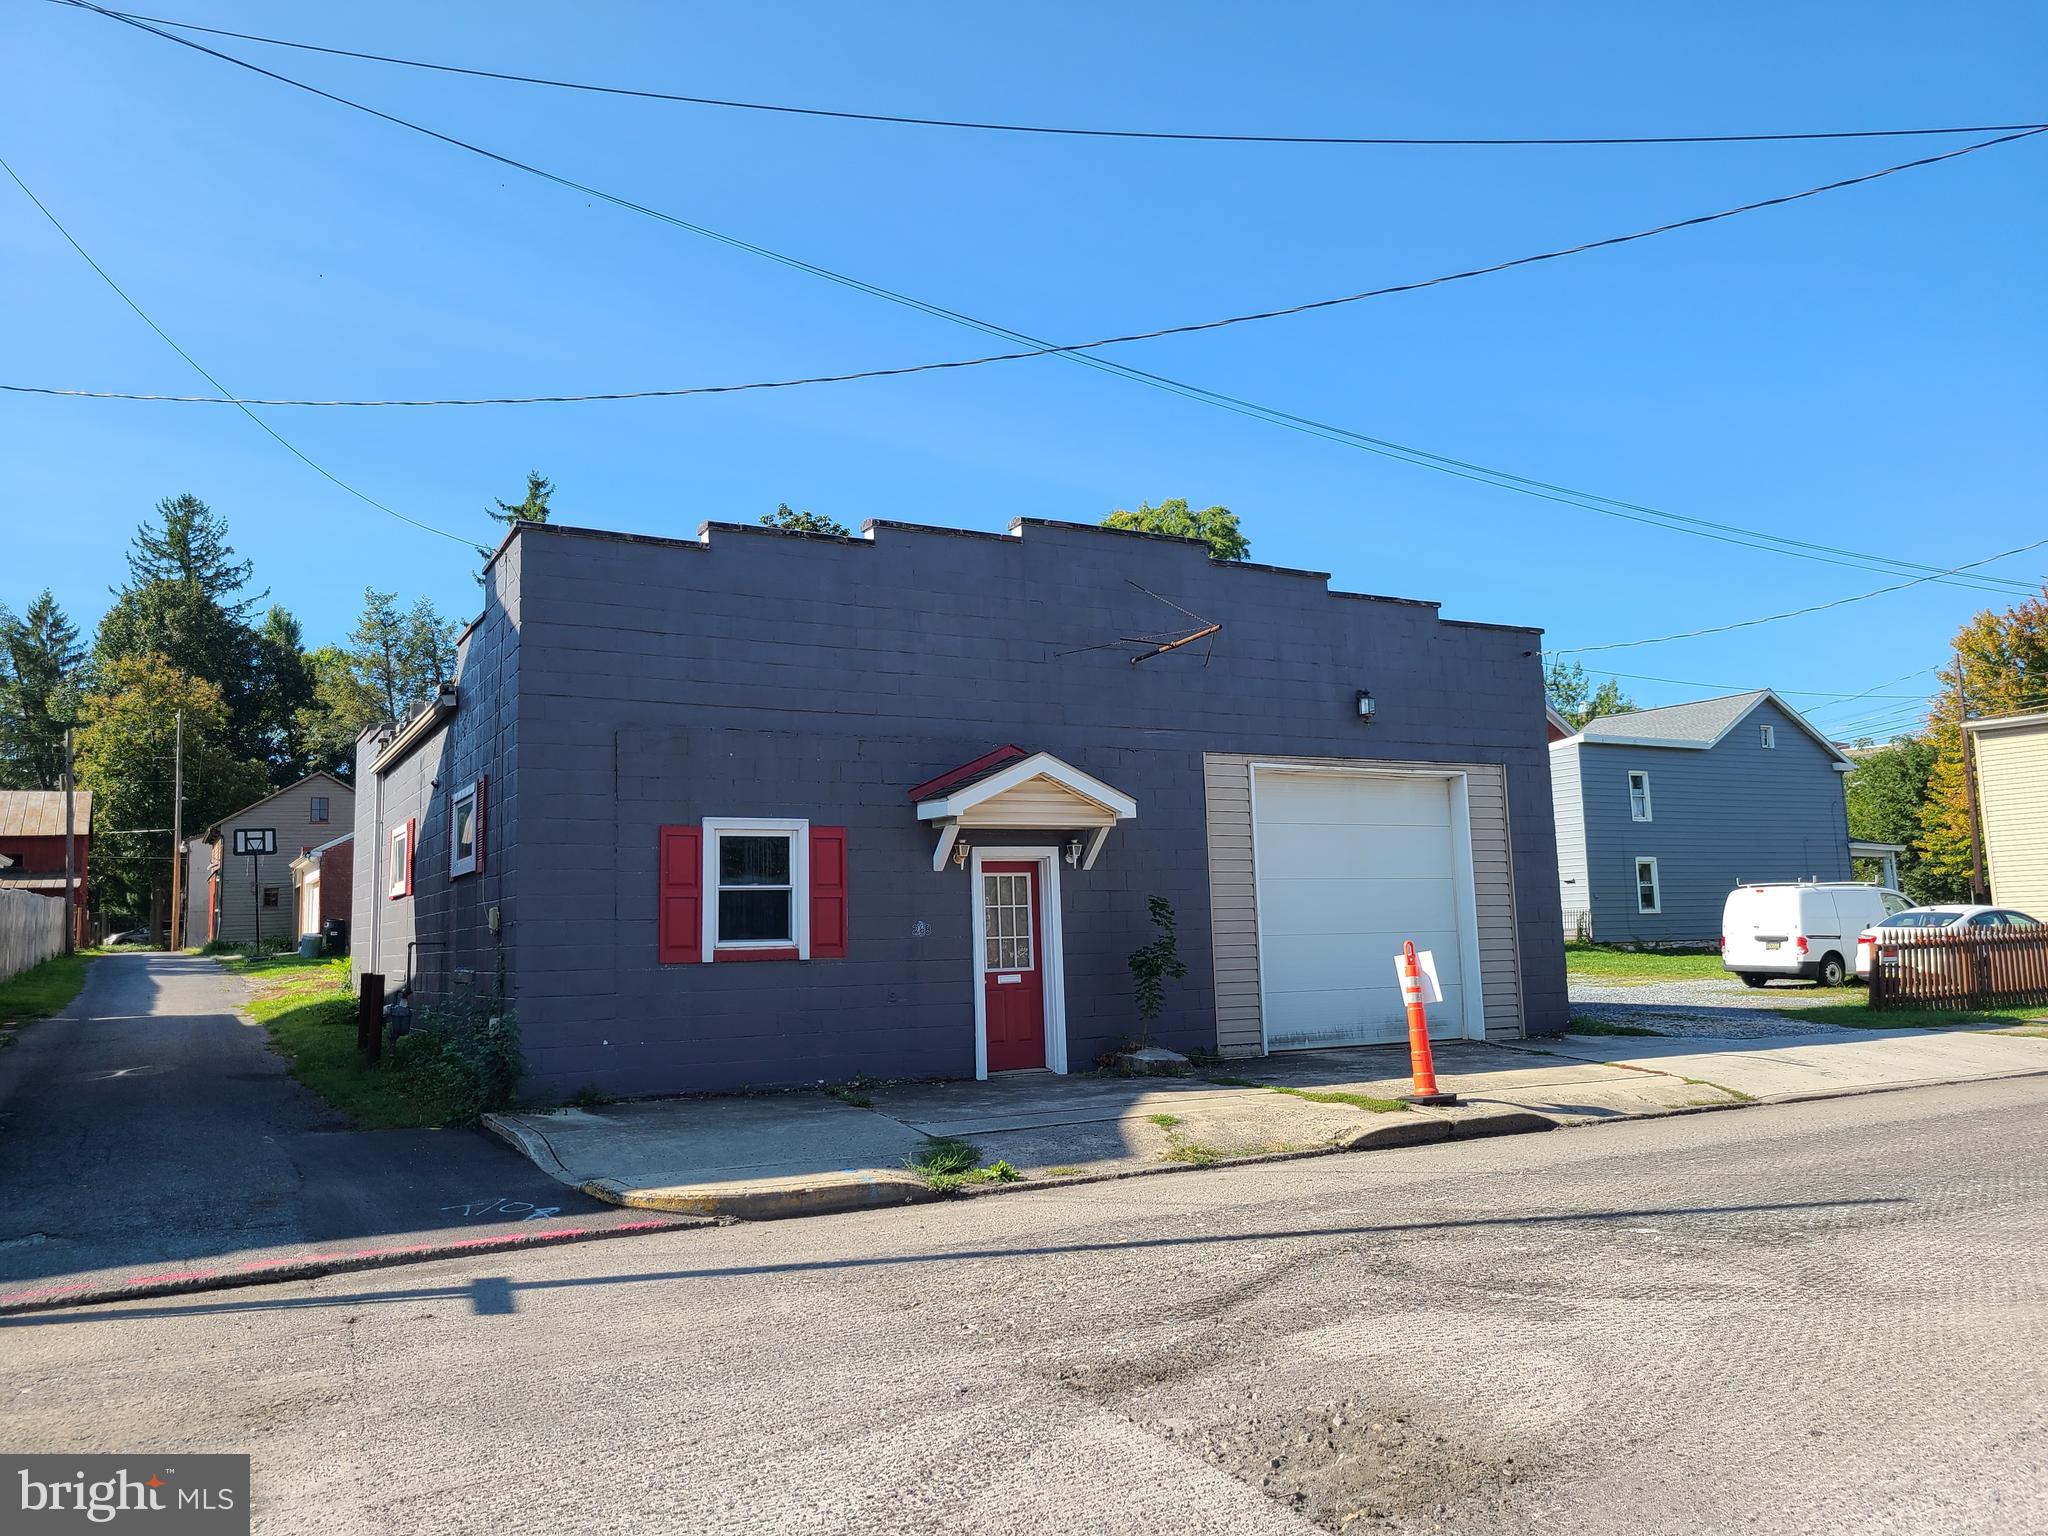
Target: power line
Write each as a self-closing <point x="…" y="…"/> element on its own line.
<point x="1790" y="693"/>
<point x="1793" y="613"/>
<point x="198" y="368"/>
<point x="1064" y="131"/>
<point x="1441" y="463"/>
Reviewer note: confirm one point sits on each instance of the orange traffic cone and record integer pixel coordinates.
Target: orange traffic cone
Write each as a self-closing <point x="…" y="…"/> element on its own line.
<point x="1426" y="1090"/>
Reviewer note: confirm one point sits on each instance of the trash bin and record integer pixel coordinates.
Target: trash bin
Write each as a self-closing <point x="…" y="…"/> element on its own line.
<point x="334" y="936"/>
<point x="310" y="945"/>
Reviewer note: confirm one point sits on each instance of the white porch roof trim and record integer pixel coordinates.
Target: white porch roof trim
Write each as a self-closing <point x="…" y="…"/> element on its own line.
<point x="1040" y="791"/>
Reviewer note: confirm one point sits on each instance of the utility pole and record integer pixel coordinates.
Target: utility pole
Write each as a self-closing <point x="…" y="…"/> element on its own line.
<point x="70" y="854"/>
<point x="178" y="838"/>
<point x="1977" y="890"/>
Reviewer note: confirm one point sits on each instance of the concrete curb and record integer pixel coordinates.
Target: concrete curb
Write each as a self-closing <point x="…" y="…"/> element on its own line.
<point x="534" y="1147"/>
<point x="773" y="1200"/>
<point x="50" y="1298"/>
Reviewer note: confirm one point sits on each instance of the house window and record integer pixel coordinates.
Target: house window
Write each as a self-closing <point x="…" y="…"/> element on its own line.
<point x="1768" y="735"/>
<point x="1648" y="898"/>
<point x="319" y="808"/>
<point x="401" y="862"/>
<point x="270" y="895"/>
<point x="464" y="831"/>
<point x="757" y="874"/>
<point x="1639" y="796"/>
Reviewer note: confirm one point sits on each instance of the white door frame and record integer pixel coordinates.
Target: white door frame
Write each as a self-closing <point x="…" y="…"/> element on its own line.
<point x="1471" y="984"/>
<point x="1052" y="957"/>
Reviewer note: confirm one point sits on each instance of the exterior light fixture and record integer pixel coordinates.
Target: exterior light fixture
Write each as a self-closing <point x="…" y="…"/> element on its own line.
<point x="1365" y="706"/>
<point x="1073" y="853"/>
<point x="960" y="851"/>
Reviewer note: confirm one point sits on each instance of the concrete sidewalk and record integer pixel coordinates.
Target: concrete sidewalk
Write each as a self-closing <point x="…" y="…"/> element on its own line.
<point x="807" y="1152"/>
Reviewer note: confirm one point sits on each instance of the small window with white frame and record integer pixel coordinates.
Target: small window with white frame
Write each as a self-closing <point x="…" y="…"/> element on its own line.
<point x="401" y="861"/>
<point x="757" y="878"/>
<point x="1767" y="735"/>
<point x="465" y="828"/>
<point x="1648" y="897"/>
<point x="1639" y="796"/>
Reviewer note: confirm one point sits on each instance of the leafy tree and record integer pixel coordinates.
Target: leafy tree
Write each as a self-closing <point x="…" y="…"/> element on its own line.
<point x="1215" y="526"/>
<point x="1999" y="666"/>
<point x="1572" y="695"/>
<point x="124" y="757"/>
<point x="532" y="510"/>
<point x="278" y="690"/>
<point x="39" y="693"/>
<point x="790" y="520"/>
<point x="340" y="706"/>
<point x="1886" y="790"/>
<point x="1154" y="964"/>
<point x="400" y="657"/>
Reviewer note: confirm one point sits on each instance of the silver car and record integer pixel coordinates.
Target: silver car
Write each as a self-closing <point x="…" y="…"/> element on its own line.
<point x="1900" y="929"/>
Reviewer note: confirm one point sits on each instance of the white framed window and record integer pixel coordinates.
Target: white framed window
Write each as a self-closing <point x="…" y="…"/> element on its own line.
<point x="1639" y="796"/>
<point x="1767" y="735"/>
<point x="1648" y="897"/>
<point x="465" y="830"/>
<point x="401" y="862"/>
<point x="757" y="887"/>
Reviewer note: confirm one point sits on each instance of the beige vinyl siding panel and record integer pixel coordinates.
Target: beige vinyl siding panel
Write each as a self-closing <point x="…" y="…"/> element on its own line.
<point x="1038" y="802"/>
<point x="2012" y="793"/>
<point x="1233" y="892"/>
<point x="290" y="813"/>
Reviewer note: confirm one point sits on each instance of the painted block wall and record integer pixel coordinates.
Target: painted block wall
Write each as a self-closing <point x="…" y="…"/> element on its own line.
<point x="760" y="673"/>
<point x="1735" y="813"/>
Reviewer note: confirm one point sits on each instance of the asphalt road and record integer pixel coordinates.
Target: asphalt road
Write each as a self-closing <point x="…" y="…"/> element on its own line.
<point x="1829" y="1316"/>
<point x="153" y="1126"/>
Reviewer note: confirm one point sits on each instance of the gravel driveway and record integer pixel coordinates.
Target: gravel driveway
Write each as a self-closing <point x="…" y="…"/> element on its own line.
<point x="1717" y="1006"/>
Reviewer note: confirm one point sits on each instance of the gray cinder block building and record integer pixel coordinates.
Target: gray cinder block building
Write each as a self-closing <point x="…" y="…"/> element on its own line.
<point x="1662" y="812"/>
<point x="765" y="808"/>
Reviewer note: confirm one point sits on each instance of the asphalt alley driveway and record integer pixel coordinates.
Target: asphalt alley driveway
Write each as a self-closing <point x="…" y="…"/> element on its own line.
<point x="152" y="1125"/>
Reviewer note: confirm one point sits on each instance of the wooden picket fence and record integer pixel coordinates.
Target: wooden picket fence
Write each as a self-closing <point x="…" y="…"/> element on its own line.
<point x="1962" y="969"/>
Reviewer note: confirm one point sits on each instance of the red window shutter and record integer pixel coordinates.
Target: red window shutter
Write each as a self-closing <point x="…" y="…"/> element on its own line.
<point x="412" y="842"/>
<point x="680" y="882"/>
<point x="483" y="795"/>
<point x="828" y="893"/>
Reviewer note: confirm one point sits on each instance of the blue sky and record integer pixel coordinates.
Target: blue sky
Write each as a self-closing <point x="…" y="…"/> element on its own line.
<point x="1865" y="369"/>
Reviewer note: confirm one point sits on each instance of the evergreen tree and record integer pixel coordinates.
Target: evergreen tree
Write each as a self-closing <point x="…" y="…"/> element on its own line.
<point x="401" y="657"/>
<point x="532" y="510"/>
<point x="40" y="662"/>
<point x="280" y="688"/>
<point x="340" y="706"/>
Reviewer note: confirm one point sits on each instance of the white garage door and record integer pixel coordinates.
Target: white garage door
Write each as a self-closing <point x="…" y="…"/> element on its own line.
<point x="1348" y="867"/>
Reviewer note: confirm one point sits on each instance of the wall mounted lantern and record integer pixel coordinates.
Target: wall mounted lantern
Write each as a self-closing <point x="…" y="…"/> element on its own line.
<point x="1365" y="706"/>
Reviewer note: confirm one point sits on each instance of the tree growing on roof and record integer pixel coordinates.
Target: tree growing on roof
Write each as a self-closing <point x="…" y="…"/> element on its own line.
<point x="40" y="663"/>
<point x="534" y="509"/>
<point x="402" y="657"/>
<point x="1572" y="695"/>
<point x="790" y="520"/>
<point x="1215" y="526"/>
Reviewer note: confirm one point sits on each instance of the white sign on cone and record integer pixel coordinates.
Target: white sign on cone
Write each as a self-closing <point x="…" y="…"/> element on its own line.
<point x="1425" y="962"/>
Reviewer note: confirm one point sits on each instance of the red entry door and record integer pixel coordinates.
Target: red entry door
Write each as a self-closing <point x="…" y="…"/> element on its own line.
<point x="1012" y="966"/>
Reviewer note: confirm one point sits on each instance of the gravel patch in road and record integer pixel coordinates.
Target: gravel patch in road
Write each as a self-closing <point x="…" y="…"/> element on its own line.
<point x="1717" y="1007"/>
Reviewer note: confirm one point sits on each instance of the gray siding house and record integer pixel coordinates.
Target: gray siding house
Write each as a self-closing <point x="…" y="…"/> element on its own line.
<point x="250" y="895"/>
<point x="769" y="808"/>
<point x="1662" y="812"/>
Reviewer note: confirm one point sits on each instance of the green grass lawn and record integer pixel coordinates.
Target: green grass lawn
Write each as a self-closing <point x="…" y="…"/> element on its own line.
<point x="1606" y="962"/>
<point x="1863" y="1016"/>
<point x="311" y="1015"/>
<point x="40" y="991"/>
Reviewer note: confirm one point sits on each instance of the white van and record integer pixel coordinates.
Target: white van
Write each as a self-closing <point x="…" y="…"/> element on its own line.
<point x="1806" y="929"/>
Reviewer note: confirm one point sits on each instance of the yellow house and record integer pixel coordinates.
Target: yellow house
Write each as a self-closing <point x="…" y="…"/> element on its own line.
<point x="2012" y="800"/>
